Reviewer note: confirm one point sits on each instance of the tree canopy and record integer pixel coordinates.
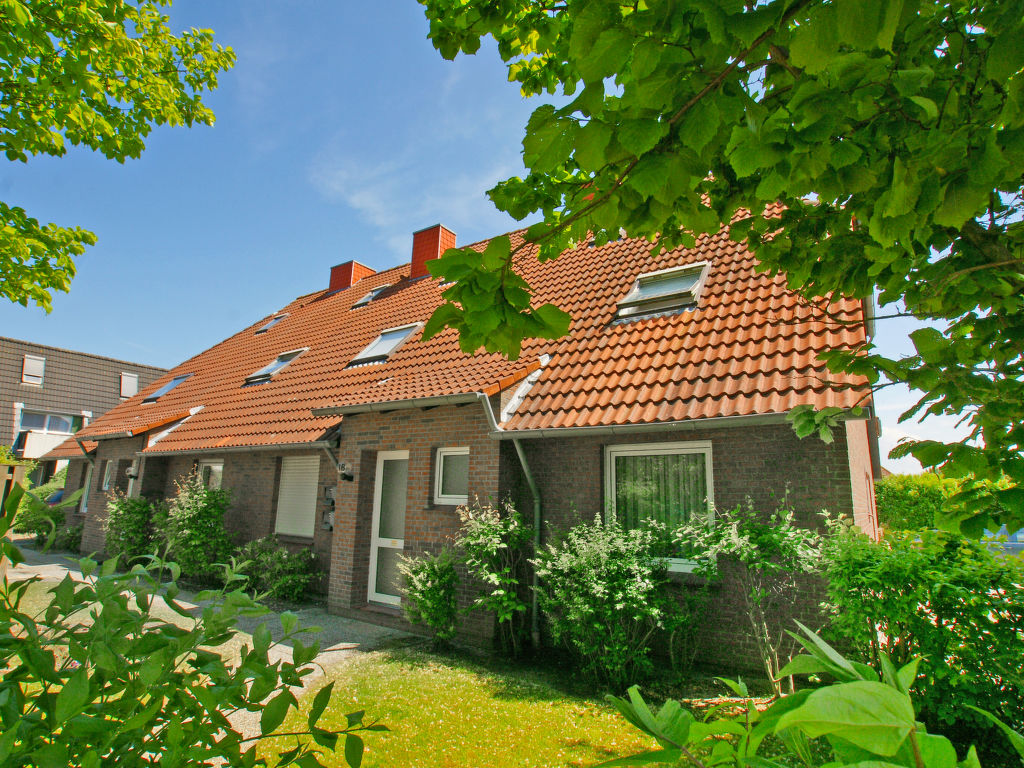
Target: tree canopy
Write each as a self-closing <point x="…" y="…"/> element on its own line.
<point x="95" y="73"/>
<point x="892" y="132"/>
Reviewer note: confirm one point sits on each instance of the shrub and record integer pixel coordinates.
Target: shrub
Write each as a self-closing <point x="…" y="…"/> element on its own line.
<point x="771" y="554"/>
<point x="430" y="584"/>
<point x="69" y="539"/>
<point x="494" y="542"/>
<point x="909" y="502"/>
<point x="274" y="572"/>
<point x="40" y="519"/>
<point x="194" y="532"/>
<point x="606" y="594"/>
<point x="102" y="678"/>
<point x="132" y="526"/>
<point x="948" y="599"/>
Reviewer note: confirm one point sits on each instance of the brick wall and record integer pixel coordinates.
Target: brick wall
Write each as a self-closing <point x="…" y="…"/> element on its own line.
<point x="858" y="438"/>
<point x="73" y="382"/>
<point x="122" y="453"/>
<point x="252" y="478"/>
<point x="761" y="462"/>
<point x="428" y="527"/>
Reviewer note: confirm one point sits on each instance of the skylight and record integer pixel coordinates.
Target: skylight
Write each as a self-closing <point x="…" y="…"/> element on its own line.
<point x="273" y="321"/>
<point x="665" y="290"/>
<point x="371" y="296"/>
<point x="152" y="397"/>
<point x="381" y="348"/>
<point x="264" y="373"/>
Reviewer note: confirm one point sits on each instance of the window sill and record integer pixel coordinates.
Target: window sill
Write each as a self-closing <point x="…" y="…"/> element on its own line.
<point x="451" y="501"/>
<point x="288" y="538"/>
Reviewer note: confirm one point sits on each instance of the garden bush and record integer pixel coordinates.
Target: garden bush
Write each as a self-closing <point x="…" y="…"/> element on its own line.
<point x="430" y="584"/>
<point x="606" y="594"/>
<point x="40" y="519"/>
<point x="950" y="600"/>
<point x="103" y="678"/>
<point x="909" y="502"/>
<point x="772" y="556"/>
<point x="494" y="542"/>
<point x="272" y="571"/>
<point x="69" y="539"/>
<point x="193" y="533"/>
<point x="133" y="526"/>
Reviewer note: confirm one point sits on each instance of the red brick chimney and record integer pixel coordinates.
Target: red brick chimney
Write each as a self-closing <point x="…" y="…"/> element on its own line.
<point x="348" y="274"/>
<point x="429" y="244"/>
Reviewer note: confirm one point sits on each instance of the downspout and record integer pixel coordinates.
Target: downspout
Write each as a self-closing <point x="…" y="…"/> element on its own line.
<point x="535" y="494"/>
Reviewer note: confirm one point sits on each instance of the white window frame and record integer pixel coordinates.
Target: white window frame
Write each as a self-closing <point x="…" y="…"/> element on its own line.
<point x="373" y="294"/>
<point x="675" y="564"/>
<point x="128" y="377"/>
<point x="211" y="464"/>
<point x="376" y="540"/>
<point x="108" y="471"/>
<point x="47" y="415"/>
<point x="363" y="359"/>
<point x="271" y="322"/>
<point x="266" y="374"/>
<point x="33" y="379"/>
<point x="166" y="387"/>
<point x="86" y="488"/>
<point x="440" y="498"/>
<point x="632" y="305"/>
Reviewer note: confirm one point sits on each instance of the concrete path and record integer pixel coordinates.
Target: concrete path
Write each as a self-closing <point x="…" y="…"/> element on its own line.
<point x="339" y="637"/>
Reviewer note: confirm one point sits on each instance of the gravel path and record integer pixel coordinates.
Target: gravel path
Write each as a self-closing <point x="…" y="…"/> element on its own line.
<point x="339" y="637"/>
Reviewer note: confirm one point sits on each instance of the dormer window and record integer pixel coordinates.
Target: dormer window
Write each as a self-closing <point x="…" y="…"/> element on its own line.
<point x="666" y="289"/>
<point x="381" y="348"/>
<point x="154" y="396"/>
<point x="273" y="321"/>
<point x="371" y="296"/>
<point x="267" y="371"/>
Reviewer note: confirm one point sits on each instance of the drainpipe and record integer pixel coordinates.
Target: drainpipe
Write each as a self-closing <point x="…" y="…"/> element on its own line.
<point x="535" y="494"/>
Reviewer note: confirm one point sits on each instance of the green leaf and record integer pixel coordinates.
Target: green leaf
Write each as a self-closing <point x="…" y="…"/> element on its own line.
<point x="73" y="696"/>
<point x="651" y="757"/>
<point x="320" y="702"/>
<point x="1005" y="56"/>
<point x="1016" y="740"/>
<point x="929" y="343"/>
<point x="353" y="750"/>
<point x="275" y="711"/>
<point x="868" y="714"/>
<point x="641" y="135"/>
<point x="931" y="109"/>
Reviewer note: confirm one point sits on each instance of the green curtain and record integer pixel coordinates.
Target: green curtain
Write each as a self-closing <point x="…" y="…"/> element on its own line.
<point x="669" y="488"/>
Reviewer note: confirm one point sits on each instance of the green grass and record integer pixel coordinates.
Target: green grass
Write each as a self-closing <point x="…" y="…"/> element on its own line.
<point x="457" y="712"/>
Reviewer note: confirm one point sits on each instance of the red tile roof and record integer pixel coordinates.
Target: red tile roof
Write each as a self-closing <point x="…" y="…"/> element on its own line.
<point x="68" y="450"/>
<point x="748" y="348"/>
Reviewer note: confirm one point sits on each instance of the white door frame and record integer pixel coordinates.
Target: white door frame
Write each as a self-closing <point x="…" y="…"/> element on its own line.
<point x="375" y="539"/>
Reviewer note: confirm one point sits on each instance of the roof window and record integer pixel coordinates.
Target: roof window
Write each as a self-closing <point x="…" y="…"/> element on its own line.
<point x="381" y="348"/>
<point x="32" y="370"/>
<point x="371" y="296"/>
<point x="273" y="321"/>
<point x="264" y="373"/>
<point x="666" y="289"/>
<point x="154" y="396"/>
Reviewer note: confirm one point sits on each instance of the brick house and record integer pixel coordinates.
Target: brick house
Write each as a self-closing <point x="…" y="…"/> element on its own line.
<point x="48" y="393"/>
<point x="337" y="429"/>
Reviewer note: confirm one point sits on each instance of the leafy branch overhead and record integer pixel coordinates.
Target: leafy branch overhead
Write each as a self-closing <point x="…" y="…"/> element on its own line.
<point x="100" y="75"/>
<point x="892" y="133"/>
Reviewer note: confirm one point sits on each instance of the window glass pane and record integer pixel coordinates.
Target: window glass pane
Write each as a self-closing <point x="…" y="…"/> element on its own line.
<point x="386" y="343"/>
<point x="455" y="474"/>
<point x="58" y="424"/>
<point x="668" y="488"/>
<point x="31" y="420"/>
<point x="166" y="388"/>
<point x="389" y="580"/>
<point x="667" y="284"/>
<point x="33" y="369"/>
<point x="212" y="474"/>
<point x="392" y="499"/>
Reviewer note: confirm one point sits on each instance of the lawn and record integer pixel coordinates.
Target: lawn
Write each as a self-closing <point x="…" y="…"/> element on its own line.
<point x="456" y="711"/>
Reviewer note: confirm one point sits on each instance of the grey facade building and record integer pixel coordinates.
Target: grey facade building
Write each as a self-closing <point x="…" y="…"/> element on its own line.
<point x="48" y="393"/>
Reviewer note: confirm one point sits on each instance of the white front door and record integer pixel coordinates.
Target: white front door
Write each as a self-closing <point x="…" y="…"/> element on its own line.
<point x="388" y="533"/>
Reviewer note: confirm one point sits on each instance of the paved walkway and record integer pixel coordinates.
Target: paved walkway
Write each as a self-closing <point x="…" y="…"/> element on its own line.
<point x="339" y="637"/>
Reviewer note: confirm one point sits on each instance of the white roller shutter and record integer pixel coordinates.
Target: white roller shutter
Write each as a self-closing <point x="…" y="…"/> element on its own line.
<point x="296" y="498"/>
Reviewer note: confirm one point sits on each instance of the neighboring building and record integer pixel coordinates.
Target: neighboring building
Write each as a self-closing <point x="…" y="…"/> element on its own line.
<point x="337" y="429"/>
<point x="47" y="393"/>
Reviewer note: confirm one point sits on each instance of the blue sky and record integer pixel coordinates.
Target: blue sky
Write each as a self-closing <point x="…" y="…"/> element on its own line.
<point x="339" y="132"/>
